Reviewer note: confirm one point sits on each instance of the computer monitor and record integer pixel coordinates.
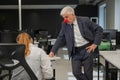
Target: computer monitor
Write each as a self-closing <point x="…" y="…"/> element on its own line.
<point x="8" y="37"/>
<point x="118" y="39"/>
<point x="112" y="32"/>
<point x="43" y="34"/>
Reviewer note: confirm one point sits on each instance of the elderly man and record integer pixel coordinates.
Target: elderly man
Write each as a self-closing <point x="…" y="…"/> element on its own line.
<point x="82" y="37"/>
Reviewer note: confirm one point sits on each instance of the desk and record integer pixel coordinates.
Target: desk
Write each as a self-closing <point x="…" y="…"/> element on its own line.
<point x="112" y="57"/>
<point x="52" y="60"/>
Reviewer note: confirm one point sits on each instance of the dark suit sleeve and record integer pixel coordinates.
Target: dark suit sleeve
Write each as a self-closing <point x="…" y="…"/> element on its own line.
<point x="96" y="30"/>
<point x="60" y="42"/>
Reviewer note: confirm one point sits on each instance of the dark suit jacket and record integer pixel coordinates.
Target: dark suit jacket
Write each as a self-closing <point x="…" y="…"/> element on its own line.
<point x="89" y="30"/>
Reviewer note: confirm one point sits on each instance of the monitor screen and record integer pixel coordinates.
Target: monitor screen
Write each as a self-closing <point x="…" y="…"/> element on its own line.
<point x="40" y="34"/>
<point x="43" y="34"/>
<point x="112" y="33"/>
<point x="8" y="37"/>
<point x="118" y="39"/>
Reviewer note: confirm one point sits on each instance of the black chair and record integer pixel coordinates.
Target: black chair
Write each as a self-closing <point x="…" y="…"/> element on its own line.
<point x="11" y="52"/>
<point x="113" y="35"/>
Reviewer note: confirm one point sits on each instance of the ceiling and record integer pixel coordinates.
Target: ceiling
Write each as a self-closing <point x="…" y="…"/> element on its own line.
<point x="38" y="2"/>
<point x="45" y="4"/>
<point x="89" y="2"/>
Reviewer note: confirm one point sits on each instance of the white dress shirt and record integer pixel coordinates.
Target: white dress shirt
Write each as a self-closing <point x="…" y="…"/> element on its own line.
<point x="79" y="40"/>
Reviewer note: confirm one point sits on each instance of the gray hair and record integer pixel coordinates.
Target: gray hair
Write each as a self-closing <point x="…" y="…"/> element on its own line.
<point x="67" y="10"/>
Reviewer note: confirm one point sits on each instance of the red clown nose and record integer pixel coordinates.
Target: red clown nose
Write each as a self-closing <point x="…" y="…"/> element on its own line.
<point x="66" y="20"/>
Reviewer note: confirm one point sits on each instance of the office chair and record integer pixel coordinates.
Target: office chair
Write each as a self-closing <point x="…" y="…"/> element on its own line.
<point x="43" y="40"/>
<point x="106" y="43"/>
<point x="18" y="55"/>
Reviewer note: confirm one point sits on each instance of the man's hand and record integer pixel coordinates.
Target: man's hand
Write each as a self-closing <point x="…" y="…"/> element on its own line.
<point x="91" y="48"/>
<point x="51" y="54"/>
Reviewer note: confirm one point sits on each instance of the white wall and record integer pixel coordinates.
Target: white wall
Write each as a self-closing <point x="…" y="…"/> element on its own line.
<point x="113" y="14"/>
<point x="117" y="15"/>
<point x="110" y="14"/>
<point x="102" y="15"/>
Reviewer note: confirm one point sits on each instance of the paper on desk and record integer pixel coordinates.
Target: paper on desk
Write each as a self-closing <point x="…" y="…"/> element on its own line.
<point x="55" y="58"/>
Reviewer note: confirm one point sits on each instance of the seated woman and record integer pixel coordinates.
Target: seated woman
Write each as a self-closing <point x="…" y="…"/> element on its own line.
<point x="36" y="58"/>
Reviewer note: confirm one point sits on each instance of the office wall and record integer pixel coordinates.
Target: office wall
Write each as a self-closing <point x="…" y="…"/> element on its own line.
<point x="110" y="14"/>
<point x="113" y="14"/>
<point x="117" y="14"/>
<point x="9" y="20"/>
<point x="87" y="10"/>
<point x="47" y="19"/>
<point x="38" y="2"/>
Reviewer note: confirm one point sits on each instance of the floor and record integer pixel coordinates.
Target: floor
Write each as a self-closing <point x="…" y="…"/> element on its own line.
<point x="63" y="67"/>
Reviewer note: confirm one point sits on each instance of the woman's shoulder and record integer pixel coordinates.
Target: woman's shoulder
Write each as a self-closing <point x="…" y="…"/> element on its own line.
<point x="36" y="49"/>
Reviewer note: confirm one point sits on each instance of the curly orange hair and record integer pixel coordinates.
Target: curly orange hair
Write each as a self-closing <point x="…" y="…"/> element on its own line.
<point x="26" y="39"/>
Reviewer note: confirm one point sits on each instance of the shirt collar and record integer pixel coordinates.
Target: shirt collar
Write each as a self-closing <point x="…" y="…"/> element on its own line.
<point x="75" y="22"/>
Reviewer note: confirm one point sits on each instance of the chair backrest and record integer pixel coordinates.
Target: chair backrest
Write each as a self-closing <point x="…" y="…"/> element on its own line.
<point x="17" y="52"/>
<point x="107" y="38"/>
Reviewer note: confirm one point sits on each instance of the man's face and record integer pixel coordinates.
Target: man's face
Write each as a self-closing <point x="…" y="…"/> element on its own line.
<point x="69" y="17"/>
